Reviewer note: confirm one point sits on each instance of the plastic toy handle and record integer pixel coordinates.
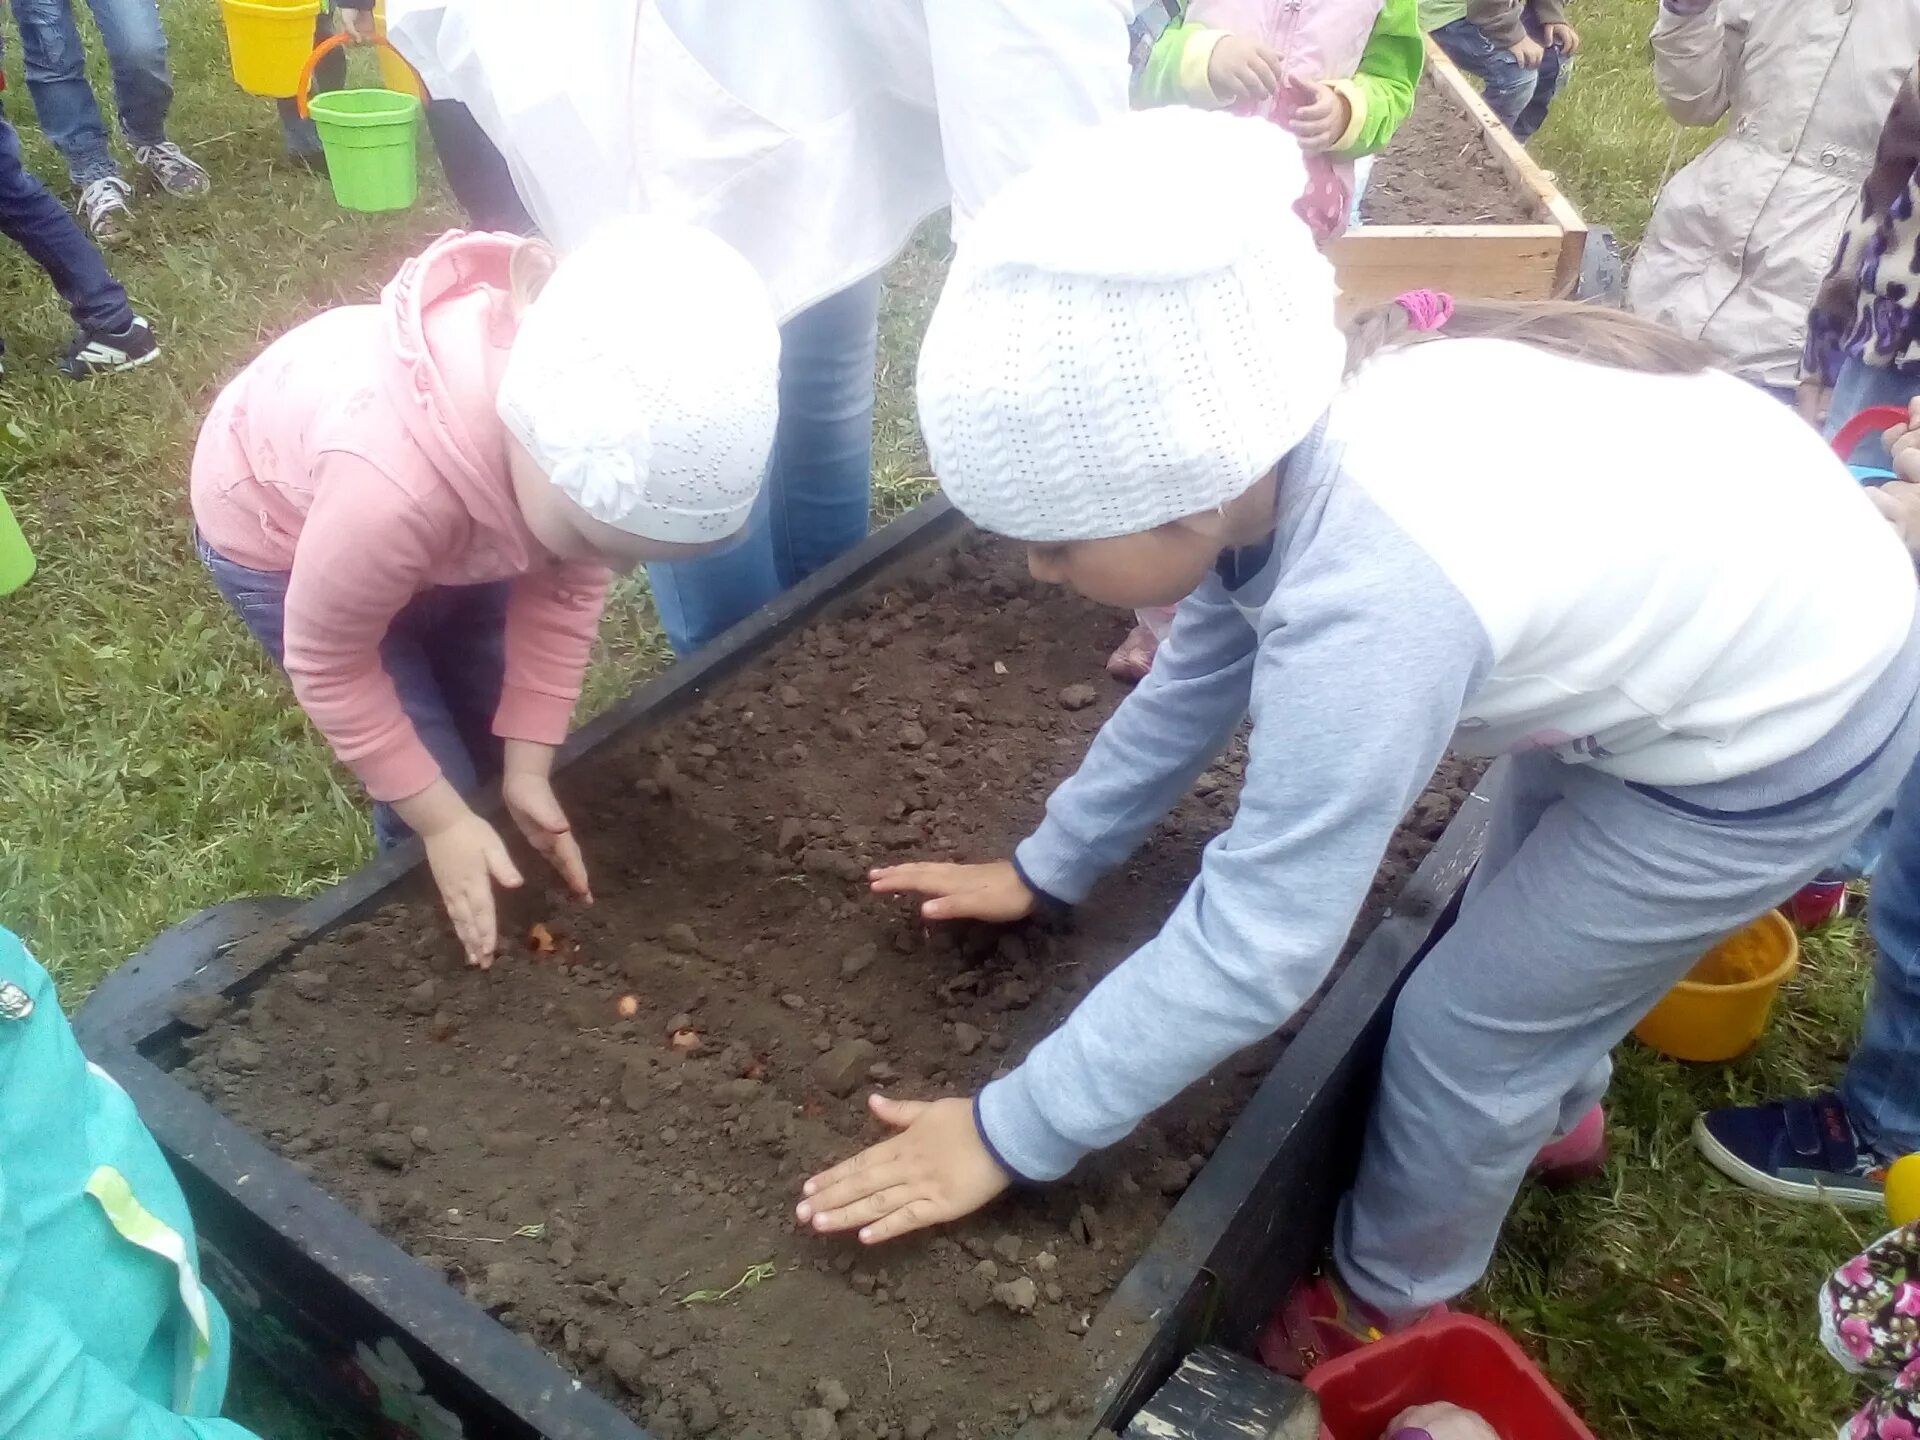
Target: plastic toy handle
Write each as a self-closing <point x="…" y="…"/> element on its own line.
<point x="1848" y="437"/>
<point x="326" y="47"/>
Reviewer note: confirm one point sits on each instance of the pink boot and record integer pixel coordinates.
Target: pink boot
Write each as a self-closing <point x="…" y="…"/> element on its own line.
<point x="1815" y="905"/>
<point x="1322" y="1321"/>
<point x="1580" y="1154"/>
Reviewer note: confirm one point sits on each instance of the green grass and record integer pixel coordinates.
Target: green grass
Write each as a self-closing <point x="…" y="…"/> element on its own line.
<point x="151" y="761"/>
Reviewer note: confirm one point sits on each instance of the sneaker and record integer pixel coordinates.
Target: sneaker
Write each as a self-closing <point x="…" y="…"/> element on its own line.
<point x="1322" y="1321"/>
<point x="1794" y="1150"/>
<point x="104" y="352"/>
<point x="103" y="205"/>
<point x="173" y="169"/>
<point x="1817" y="904"/>
<point x="1580" y="1154"/>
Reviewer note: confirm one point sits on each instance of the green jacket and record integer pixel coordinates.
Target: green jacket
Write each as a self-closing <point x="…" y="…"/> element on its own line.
<point x="1379" y="92"/>
<point x="105" y="1330"/>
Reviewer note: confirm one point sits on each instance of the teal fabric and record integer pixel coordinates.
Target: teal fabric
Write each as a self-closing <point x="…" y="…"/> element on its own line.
<point x="93" y="1333"/>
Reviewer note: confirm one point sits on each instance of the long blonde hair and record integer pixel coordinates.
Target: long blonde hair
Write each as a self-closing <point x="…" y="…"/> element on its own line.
<point x="1560" y="327"/>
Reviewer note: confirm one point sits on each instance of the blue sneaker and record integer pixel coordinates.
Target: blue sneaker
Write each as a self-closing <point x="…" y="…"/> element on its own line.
<point x="1795" y="1150"/>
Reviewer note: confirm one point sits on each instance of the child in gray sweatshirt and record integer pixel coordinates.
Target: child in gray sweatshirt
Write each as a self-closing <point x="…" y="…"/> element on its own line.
<point x="1685" y="623"/>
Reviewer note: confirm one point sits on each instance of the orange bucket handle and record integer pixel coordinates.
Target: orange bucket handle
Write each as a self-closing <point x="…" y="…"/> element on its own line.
<point x="326" y="47"/>
<point x="1880" y="417"/>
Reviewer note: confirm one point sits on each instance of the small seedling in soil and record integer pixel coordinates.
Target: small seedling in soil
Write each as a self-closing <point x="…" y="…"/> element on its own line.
<point x="756" y="1275"/>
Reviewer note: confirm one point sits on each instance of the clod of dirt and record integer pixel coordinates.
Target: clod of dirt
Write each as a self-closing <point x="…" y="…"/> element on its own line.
<point x="815" y="1425"/>
<point x="791" y="696"/>
<point x="423" y="998"/>
<point x="627" y="1364"/>
<point x="702" y="1411"/>
<point x="237" y="1052"/>
<point x="920" y="1427"/>
<point x="200" y="1012"/>
<point x="737" y="1092"/>
<point x="500" y="1287"/>
<point x="681" y="940"/>
<point x="310" y="984"/>
<point x="390" y="1150"/>
<point x="1085" y="1226"/>
<point x="1078" y="696"/>
<point x="855" y="964"/>
<point x="832" y="1395"/>
<point x="1170" y="1176"/>
<point x="635" y="1086"/>
<point x="836" y="864"/>
<point x="911" y="736"/>
<point x="842" y="1068"/>
<point x="986" y="1271"/>
<point x="966" y="1038"/>
<point x="1007" y="1247"/>
<point x="512" y="1144"/>
<point x="1019" y="1296"/>
<point x="1045" y="1262"/>
<point x="793" y="836"/>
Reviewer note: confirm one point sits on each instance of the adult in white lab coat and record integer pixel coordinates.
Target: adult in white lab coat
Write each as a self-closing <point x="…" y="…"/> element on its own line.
<point x="814" y="135"/>
<point x="1741" y="237"/>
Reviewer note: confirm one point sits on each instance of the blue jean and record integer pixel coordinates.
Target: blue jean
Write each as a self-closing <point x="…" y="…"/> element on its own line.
<point x="1518" y="96"/>
<point x="1862" y="387"/>
<point x="445" y="653"/>
<point x="57" y="78"/>
<point x="815" y="503"/>
<point x="1882" y="1085"/>
<point x="43" y="227"/>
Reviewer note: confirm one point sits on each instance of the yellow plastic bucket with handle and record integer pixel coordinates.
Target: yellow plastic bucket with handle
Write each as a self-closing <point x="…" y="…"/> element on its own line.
<point x="1723" y="1005"/>
<point x="268" y="42"/>
<point x="1903" y="1191"/>
<point x="16" y="556"/>
<point x="395" y="72"/>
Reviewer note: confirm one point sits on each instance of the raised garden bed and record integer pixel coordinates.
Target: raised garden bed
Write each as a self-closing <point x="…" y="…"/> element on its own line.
<point x="1455" y="203"/>
<point x="539" y="1144"/>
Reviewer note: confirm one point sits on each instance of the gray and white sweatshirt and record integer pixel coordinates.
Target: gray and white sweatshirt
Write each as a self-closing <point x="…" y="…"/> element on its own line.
<point x="1669" y="579"/>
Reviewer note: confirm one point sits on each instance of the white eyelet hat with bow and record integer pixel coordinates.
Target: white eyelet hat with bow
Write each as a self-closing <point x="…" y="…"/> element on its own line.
<point x="1134" y="331"/>
<point x="644" y="381"/>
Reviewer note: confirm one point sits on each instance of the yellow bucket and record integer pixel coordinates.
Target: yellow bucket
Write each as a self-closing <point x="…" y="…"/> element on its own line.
<point x="1903" y="1190"/>
<point x="268" y="42"/>
<point x="1722" y="1007"/>
<point x="395" y="73"/>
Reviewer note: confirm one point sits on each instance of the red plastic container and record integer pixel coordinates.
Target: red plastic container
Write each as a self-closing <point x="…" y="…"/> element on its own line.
<point x="1459" y="1359"/>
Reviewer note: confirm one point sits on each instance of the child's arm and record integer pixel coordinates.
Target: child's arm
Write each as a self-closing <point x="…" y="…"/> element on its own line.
<point x="1696" y="54"/>
<point x="1380" y="92"/>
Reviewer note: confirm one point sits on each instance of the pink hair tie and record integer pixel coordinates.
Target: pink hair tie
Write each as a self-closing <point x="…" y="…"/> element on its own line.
<point x="1426" y="309"/>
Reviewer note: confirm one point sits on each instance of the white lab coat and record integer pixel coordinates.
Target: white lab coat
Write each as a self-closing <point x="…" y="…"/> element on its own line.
<point x="814" y="135"/>
<point x="1742" y="236"/>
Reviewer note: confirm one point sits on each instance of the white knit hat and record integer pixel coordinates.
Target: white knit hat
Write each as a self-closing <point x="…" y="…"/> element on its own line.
<point x="644" y="381"/>
<point x="1133" y="332"/>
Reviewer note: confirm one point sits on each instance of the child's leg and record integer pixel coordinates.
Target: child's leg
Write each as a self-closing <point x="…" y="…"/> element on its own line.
<point x="1502" y="1035"/>
<point x="1882" y="1087"/>
<point x="56" y="71"/>
<point x="42" y="226"/>
<point x="302" y="139"/>
<point x="136" y="45"/>
<point x="1508" y="85"/>
<point x="1547" y="81"/>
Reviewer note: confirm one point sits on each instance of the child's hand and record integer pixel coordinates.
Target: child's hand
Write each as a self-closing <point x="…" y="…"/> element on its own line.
<point x="935" y="1170"/>
<point x="1903" y="443"/>
<point x="993" y="891"/>
<point x="1321" y="118"/>
<point x="357" y="23"/>
<point x="1528" y="51"/>
<point x="1899" y="501"/>
<point x="1242" y="69"/>
<point x="1564" y="36"/>
<point x="468" y="858"/>
<point x="529" y="797"/>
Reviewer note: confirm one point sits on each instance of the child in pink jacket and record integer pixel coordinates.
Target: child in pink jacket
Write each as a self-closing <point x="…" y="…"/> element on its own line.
<point x="415" y="506"/>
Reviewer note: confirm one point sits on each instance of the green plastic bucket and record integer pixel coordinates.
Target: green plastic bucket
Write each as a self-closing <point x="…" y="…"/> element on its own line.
<point x="370" y="137"/>
<point x="16" y="558"/>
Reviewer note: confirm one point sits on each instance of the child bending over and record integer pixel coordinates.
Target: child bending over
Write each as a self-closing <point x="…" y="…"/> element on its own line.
<point x="415" y="506"/>
<point x="1694" y="728"/>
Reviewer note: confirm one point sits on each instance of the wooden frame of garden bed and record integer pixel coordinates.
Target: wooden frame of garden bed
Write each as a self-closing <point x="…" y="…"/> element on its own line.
<point x="1539" y="261"/>
<point x="312" y="1286"/>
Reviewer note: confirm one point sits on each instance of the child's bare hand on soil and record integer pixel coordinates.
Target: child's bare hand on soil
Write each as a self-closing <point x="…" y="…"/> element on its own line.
<point x="468" y="858"/>
<point x="935" y="1170"/>
<point x="993" y="891"/>
<point x="536" y="810"/>
<point x="1240" y="69"/>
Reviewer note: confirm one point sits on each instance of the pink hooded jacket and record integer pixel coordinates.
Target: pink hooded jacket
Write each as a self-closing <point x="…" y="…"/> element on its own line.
<point x="361" y="452"/>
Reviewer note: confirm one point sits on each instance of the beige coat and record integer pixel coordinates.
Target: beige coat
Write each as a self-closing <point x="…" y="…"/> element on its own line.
<point x="1741" y="237"/>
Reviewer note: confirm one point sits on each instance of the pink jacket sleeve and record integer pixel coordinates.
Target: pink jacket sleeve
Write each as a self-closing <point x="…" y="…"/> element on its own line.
<point x="552" y="618"/>
<point x="365" y="550"/>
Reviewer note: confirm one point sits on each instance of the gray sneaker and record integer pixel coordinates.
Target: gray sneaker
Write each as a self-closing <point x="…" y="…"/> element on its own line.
<point x="103" y="205"/>
<point x="173" y="169"/>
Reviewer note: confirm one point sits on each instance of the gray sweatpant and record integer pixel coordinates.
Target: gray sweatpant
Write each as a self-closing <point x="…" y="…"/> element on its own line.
<point x="1592" y="899"/>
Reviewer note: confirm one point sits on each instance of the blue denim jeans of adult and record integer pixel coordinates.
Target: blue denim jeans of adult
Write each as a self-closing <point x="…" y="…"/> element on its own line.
<point x="1882" y="1085"/>
<point x="815" y="504"/>
<point x="1518" y="96"/>
<point x="446" y="656"/>
<point x="56" y="72"/>
<point x="47" y="231"/>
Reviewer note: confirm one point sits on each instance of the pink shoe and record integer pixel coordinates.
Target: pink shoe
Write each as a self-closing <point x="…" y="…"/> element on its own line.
<point x="1817" y="904"/>
<point x="1580" y="1154"/>
<point x="1321" y="1321"/>
<point x="1131" y="662"/>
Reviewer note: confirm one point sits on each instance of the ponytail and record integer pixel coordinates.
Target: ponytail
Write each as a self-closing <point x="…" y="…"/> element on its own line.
<point x="1560" y="327"/>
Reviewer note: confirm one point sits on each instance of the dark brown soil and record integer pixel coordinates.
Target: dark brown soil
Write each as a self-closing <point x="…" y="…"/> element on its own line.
<point x="1438" y="170"/>
<point x="593" y="1142"/>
